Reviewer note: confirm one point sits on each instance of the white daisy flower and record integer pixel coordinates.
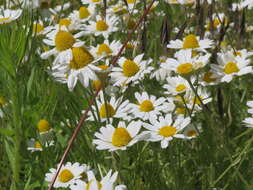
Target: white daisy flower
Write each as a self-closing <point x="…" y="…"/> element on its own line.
<point x="75" y="64"/>
<point x="209" y="78"/>
<point x="106" y="49"/>
<point x="68" y="175"/>
<point x="130" y="71"/>
<point x="192" y="99"/>
<point x="7" y="15"/>
<point x="243" y="53"/>
<point x="250" y="105"/>
<point x="217" y="20"/>
<point x="102" y="26"/>
<point x="191" y="131"/>
<point x="106" y="183"/>
<point x="161" y="73"/>
<point x="191" y="42"/>
<point x="34" y="145"/>
<point x="247" y="3"/>
<point x="57" y="9"/>
<point x="119" y="138"/>
<point x="176" y="85"/>
<point x="62" y="40"/>
<point x="38" y="28"/>
<point x="185" y="64"/>
<point x="149" y="107"/>
<point x="248" y="122"/>
<point x="230" y="66"/>
<point x="113" y="108"/>
<point x="92" y="2"/>
<point x="83" y="14"/>
<point x="164" y="130"/>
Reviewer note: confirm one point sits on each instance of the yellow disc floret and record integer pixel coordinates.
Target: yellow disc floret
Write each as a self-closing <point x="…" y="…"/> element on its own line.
<point x="231" y="67"/>
<point x="167" y="131"/>
<point x="180" y="87"/>
<point x="64" y="40"/>
<point x="130" y="68"/>
<point x="37" y="145"/>
<point x="65" y="176"/>
<point x="83" y="13"/>
<point x="190" y="41"/>
<point x="185" y="68"/>
<point x="43" y="126"/>
<point x="104" y="49"/>
<point x="65" y="22"/>
<point x="106" y="110"/>
<point x="38" y="28"/>
<point x="121" y="137"/>
<point x="208" y="77"/>
<point x="146" y="106"/>
<point x="81" y="58"/>
<point x="101" y="25"/>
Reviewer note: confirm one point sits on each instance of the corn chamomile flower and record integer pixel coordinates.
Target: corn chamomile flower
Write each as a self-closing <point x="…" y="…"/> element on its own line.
<point x="248" y="122"/>
<point x="61" y="39"/>
<point x="38" y="28"/>
<point x="120" y="137"/>
<point x="164" y="129"/>
<point x="106" y="183"/>
<point x="34" y="145"/>
<point x="68" y="175"/>
<point x="106" y="49"/>
<point x="161" y="73"/>
<point x="185" y="64"/>
<point x="191" y="131"/>
<point x="83" y="14"/>
<point x="112" y="108"/>
<point x="149" y="107"/>
<point x="130" y="71"/>
<point x="7" y="15"/>
<point x="209" y="78"/>
<point x="176" y="85"/>
<point x="57" y="9"/>
<point x="193" y="101"/>
<point x="243" y="53"/>
<point x="231" y="66"/>
<point x="191" y="42"/>
<point x="102" y="26"/>
<point x="75" y="64"/>
<point x="92" y="2"/>
<point x="217" y="20"/>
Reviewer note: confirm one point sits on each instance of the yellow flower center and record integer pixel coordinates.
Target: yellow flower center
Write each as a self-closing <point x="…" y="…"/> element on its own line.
<point x="98" y="184"/>
<point x="106" y="110"/>
<point x="180" y="87"/>
<point x="65" y="22"/>
<point x="83" y="12"/>
<point x="131" y="1"/>
<point x="197" y="100"/>
<point x="65" y="176"/>
<point x="185" y="68"/>
<point x="167" y="131"/>
<point x="37" y="144"/>
<point x="104" y="49"/>
<point x="2" y="101"/>
<point x="96" y="84"/>
<point x="4" y="19"/>
<point x="38" y="28"/>
<point x="121" y="137"/>
<point x="208" y="77"/>
<point x="43" y="126"/>
<point x="230" y="68"/>
<point x="191" y="133"/>
<point x="103" y="67"/>
<point x="95" y="1"/>
<point x="64" y="40"/>
<point x="190" y="41"/>
<point x="180" y="110"/>
<point x="81" y="58"/>
<point x="237" y="53"/>
<point x="101" y="25"/>
<point x="130" y="68"/>
<point x="146" y="106"/>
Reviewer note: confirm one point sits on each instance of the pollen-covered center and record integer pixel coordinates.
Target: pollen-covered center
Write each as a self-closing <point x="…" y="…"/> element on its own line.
<point x="131" y="1"/>
<point x="130" y="68"/>
<point x="121" y="137"/>
<point x="185" y="68"/>
<point x="190" y="41"/>
<point x="5" y="19"/>
<point x="191" y="133"/>
<point x="146" y="106"/>
<point x="95" y="1"/>
<point x="37" y="145"/>
<point x="106" y="110"/>
<point x="180" y="87"/>
<point x="65" y="176"/>
<point x="167" y="131"/>
<point x="38" y="28"/>
<point x="83" y="13"/>
<point x="81" y="58"/>
<point x="104" y="49"/>
<point x="103" y="67"/>
<point x="231" y="67"/>
<point x="101" y="25"/>
<point x="96" y="84"/>
<point x="43" y="126"/>
<point x="64" y="40"/>
<point x="65" y="22"/>
<point x="208" y="77"/>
